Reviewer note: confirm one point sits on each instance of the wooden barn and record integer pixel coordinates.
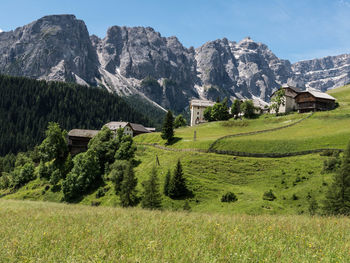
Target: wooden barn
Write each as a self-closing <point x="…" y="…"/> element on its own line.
<point x="311" y="100"/>
<point x="78" y="140"/>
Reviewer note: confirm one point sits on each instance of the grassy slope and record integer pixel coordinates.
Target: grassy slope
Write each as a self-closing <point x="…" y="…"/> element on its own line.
<point x="48" y="232"/>
<point x="323" y="130"/>
<point x="209" y="132"/>
<point x="212" y="175"/>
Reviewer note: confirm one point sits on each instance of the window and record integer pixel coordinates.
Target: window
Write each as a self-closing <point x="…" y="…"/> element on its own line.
<point x="197" y="112"/>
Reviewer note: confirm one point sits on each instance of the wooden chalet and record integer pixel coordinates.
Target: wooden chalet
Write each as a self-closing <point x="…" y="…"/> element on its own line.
<point x="311" y="100"/>
<point x="78" y="140"/>
<point x="131" y="129"/>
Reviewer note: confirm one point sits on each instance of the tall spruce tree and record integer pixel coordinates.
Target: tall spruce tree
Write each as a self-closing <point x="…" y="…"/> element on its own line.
<point x="236" y="108"/>
<point x="168" y="127"/>
<point x="128" y="193"/>
<point x="338" y="196"/>
<point x="152" y="198"/>
<point x="167" y="183"/>
<point x="177" y="186"/>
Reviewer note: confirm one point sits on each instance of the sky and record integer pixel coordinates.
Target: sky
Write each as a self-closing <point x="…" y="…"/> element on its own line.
<point x="293" y="29"/>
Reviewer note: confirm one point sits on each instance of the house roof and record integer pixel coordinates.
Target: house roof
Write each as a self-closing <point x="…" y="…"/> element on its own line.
<point x="286" y="86"/>
<point x="138" y="127"/>
<point x="82" y="133"/>
<point x="202" y="103"/>
<point x="114" y="125"/>
<point x="320" y="95"/>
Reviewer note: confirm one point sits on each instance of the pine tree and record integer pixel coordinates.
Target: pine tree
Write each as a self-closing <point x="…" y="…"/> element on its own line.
<point x="338" y="196"/>
<point x="236" y="108"/>
<point x="152" y="198"/>
<point x="177" y="186"/>
<point x="167" y="183"/>
<point x="168" y="127"/>
<point x="128" y="193"/>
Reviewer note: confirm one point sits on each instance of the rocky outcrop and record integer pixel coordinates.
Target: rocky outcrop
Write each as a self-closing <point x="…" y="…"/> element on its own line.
<point x="324" y="73"/>
<point x="51" y="48"/>
<point x="138" y="60"/>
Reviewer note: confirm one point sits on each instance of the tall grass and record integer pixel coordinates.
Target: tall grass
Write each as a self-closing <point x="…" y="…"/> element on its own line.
<point x="48" y="232"/>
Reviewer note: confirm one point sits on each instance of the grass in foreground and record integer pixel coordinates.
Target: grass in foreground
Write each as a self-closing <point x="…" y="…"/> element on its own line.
<point x="49" y="232"/>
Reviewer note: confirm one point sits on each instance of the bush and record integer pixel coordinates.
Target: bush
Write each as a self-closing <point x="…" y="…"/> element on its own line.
<point x="229" y="197"/>
<point x="331" y="164"/>
<point x="100" y="192"/>
<point x="269" y="196"/>
<point x="295" y="197"/>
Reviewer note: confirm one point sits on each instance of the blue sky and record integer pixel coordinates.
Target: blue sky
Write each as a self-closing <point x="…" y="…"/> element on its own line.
<point x="293" y="29"/>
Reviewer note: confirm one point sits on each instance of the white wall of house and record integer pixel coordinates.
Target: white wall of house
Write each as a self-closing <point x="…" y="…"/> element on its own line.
<point x="197" y="115"/>
<point x="128" y="131"/>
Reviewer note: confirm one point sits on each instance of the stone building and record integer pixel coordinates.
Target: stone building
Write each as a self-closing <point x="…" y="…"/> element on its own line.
<point x="289" y="99"/>
<point x="197" y="108"/>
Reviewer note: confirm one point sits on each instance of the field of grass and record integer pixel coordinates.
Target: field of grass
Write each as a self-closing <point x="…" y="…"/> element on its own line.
<point x="50" y="232"/>
<point x="209" y="132"/>
<point x="210" y="176"/>
<point x="323" y="130"/>
<point x="329" y="129"/>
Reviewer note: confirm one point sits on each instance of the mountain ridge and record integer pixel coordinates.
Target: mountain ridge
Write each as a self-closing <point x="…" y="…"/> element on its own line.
<point x="59" y="47"/>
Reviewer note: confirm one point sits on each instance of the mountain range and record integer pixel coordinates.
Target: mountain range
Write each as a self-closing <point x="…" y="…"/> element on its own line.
<point x="139" y="61"/>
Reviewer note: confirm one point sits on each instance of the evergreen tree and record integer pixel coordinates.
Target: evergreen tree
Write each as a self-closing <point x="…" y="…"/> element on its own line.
<point x="247" y="108"/>
<point x="338" y="196"/>
<point x="168" y="127"/>
<point x="167" y="183"/>
<point x="313" y="206"/>
<point x="177" y="186"/>
<point x="236" y="108"/>
<point x="128" y="193"/>
<point x="152" y="198"/>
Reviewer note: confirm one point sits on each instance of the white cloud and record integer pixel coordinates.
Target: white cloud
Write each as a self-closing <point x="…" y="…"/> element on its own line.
<point x="1" y="30"/>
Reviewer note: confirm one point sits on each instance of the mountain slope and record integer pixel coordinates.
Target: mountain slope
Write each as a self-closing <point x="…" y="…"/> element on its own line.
<point x="26" y="107"/>
<point x="59" y="48"/>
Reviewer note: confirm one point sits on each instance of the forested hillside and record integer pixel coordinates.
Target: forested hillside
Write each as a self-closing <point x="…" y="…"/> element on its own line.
<point x="27" y="105"/>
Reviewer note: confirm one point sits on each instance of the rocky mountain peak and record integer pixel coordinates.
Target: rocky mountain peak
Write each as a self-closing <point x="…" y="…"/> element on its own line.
<point x="139" y="60"/>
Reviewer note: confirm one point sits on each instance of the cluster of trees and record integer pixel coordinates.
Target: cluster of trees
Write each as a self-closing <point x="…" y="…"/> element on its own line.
<point x="220" y="111"/>
<point x="110" y="157"/>
<point x="27" y="106"/>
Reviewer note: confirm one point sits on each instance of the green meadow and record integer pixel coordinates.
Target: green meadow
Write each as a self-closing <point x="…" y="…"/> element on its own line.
<point x="52" y="232"/>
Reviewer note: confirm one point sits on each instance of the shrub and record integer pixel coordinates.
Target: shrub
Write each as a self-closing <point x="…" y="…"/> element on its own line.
<point x="229" y="197"/>
<point x="100" y="192"/>
<point x="295" y="197"/>
<point x="269" y="196"/>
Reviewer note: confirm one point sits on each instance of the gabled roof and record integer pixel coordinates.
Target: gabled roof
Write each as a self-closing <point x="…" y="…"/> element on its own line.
<point x="138" y="127"/>
<point x="286" y="86"/>
<point x="202" y="103"/>
<point x="114" y="125"/>
<point x="82" y="133"/>
<point x="319" y="95"/>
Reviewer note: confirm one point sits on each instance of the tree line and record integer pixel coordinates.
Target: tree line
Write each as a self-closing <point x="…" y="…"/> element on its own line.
<point x="28" y="105"/>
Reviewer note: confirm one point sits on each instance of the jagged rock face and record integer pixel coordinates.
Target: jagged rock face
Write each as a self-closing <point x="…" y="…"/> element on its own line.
<point x="52" y="48"/>
<point x="243" y="70"/>
<point x="324" y="73"/>
<point x="138" y="52"/>
<point x="60" y="48"/>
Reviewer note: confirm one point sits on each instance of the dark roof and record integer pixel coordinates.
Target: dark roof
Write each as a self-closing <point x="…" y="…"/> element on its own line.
<point x="319" y="95"/>
<point x="138" y="127"/>
<point x="295" y="89"/>
<point x="82" y="133"/>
